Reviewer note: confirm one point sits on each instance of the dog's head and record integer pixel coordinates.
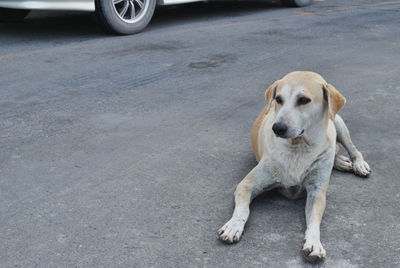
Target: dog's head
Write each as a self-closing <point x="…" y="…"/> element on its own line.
<point x="301" y="99"/>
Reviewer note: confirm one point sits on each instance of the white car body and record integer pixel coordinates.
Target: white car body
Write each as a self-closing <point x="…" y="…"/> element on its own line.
<point x="79" y="5"/>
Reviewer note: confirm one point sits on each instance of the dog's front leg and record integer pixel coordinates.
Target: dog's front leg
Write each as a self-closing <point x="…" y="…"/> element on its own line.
<point x="315" y="207"/>
<point x="256" y="181"/>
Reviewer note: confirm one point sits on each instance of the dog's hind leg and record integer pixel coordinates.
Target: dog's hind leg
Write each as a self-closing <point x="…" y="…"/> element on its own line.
<point x="359" y="166"/>
<point x="343" y="163"/>
<point x="257" y="181"/>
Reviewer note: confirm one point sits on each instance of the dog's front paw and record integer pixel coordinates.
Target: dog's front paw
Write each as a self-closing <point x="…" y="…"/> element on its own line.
<point x="313" y="251"/>
<point x="231" y="231"/>
<point x="361" y="168"/>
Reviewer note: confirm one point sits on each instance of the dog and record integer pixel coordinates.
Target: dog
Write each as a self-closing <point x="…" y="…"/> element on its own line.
<point x="295" y="141"/>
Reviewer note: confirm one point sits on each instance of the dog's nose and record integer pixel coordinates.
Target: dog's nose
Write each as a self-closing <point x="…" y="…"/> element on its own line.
<point x="279" y="128"/>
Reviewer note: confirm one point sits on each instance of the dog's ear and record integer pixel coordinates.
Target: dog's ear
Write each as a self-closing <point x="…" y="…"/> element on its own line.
<point x="334" y="99"/>
<point x="270" y="94"/>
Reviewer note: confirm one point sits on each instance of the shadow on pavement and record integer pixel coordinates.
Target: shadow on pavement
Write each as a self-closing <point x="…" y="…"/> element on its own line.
<point x="181" y="14"/>
<point x="43" y="25"/>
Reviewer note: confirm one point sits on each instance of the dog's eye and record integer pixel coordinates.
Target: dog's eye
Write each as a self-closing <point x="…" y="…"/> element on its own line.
<point x="279" y="100"/>
<point x="303" y="100"/>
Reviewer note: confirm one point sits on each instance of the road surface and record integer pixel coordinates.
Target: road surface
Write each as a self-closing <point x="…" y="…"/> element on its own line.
<point x="125" y="151"/>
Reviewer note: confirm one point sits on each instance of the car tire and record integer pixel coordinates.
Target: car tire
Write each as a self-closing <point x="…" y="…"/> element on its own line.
<point x="11" y="15"/>
<point x="296" y="3"/>
<point x="124" y="16"/>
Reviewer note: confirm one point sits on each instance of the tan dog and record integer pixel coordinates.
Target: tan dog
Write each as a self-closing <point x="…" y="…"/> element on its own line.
<point x="295" y="140"/>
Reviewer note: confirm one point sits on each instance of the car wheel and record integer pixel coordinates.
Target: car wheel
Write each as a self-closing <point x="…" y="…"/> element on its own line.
<point x="296" y="3"/>
<point x="124" y="16"/>
<point x="10" y="15"/>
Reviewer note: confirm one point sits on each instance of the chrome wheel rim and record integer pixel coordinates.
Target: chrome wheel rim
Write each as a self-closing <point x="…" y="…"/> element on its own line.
<point x="130" y="11"/>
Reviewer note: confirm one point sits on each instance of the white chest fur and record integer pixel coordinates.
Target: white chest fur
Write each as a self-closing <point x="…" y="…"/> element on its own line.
<point x="293" y="163"/>
<point x="292" y="160"/>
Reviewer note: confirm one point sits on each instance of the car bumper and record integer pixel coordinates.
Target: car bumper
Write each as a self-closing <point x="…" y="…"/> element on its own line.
<point x="81" y="5"/>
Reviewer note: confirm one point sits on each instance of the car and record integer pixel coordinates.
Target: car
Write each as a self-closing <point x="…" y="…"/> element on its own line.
<point x="116" y="16"/>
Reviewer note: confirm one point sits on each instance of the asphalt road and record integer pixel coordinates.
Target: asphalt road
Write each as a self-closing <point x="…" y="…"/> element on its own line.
<point x="125" y="151"/>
